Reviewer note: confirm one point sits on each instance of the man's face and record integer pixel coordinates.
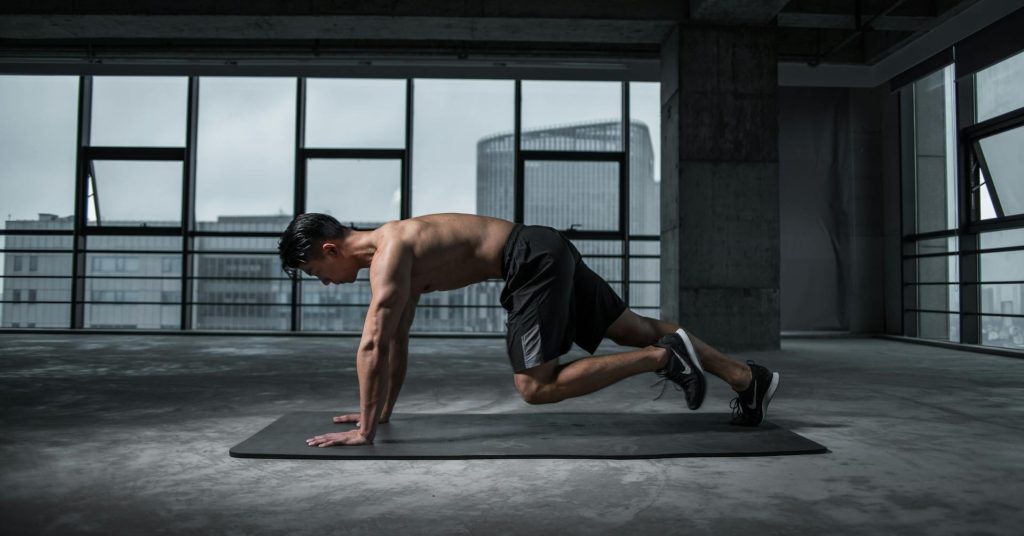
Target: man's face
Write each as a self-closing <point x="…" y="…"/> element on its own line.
<point x="331" y="266"/>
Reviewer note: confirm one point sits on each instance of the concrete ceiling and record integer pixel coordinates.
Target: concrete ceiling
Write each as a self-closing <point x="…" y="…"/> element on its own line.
<point x="848" y="32"/>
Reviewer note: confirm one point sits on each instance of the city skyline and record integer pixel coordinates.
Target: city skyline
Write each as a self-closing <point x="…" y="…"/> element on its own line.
<point x="227" y="297"/>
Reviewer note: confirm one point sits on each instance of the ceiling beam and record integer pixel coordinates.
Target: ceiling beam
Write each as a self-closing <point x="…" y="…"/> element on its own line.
<point x="269" y="28"/>
<point x="849" y="22"/>
<point x="736" y="11"/>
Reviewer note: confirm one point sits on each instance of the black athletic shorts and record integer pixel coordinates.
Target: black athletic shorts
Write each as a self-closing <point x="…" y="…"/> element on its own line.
<point x="553" y="299"/>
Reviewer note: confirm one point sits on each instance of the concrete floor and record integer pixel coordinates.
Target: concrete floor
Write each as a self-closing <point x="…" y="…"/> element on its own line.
<point x="130" y="435"/>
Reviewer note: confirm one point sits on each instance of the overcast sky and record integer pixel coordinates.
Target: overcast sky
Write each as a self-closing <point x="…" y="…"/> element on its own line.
<point x="245" y="158"/>
<point x="245" y="153"/>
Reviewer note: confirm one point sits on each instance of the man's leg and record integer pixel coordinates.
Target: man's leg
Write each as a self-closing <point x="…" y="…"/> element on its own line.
<point x="551" y="382"/>
<point x="631" y="329"/>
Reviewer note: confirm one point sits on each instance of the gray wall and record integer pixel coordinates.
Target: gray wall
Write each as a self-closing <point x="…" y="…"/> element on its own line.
<point x="835" y="147"/>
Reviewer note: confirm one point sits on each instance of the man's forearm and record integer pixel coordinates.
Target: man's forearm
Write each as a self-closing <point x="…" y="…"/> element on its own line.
<point x="397" y="359"/>
<point x="372" y="367"/>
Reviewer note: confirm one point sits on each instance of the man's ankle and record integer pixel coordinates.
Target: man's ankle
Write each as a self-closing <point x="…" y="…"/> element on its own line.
<point x="662" y="355"/>
<point x="745" y="379"/>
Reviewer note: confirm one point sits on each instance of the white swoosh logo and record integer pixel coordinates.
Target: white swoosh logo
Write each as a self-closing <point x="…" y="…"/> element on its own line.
<point x="686" y="366"/>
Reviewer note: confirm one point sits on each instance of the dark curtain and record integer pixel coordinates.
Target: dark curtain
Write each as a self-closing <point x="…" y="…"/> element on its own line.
<point x="814" y="178"/>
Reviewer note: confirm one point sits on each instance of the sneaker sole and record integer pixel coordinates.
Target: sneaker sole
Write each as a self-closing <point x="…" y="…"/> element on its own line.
<point x="769" y="394"/>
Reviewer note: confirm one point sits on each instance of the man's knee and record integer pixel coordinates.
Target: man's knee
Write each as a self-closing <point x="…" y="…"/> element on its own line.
<point x="534" y="392"/>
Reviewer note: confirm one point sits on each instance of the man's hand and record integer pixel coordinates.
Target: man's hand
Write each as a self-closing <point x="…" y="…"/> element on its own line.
<point x="354" y="417"/>
<point x="351" y="437"/>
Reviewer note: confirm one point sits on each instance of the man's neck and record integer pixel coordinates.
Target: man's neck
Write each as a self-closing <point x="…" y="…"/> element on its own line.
<point x="360" y="245"/>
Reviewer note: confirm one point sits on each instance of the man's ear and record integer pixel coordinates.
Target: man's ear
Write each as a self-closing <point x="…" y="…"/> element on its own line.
<point x="329" y="249"/>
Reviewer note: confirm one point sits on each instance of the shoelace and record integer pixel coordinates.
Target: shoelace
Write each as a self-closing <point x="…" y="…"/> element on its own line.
<point x="664" y="378"/>
<point x="737" y="408"/>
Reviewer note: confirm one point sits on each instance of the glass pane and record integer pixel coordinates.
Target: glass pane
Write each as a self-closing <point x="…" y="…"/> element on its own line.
<point x="214" y="273"/>
<point x="126" y="290"/>
<point x="935" y="245"/>
<point x="945" y="269"/>
<point x="27" y="315"/>
<point x="644" y="269"/>
<point x="460" y="163"/>
<point x="242" y="317"/>
<point x="38" y="133"/>
<point x="240" y="291"/>
<point x="647" y="296"/>
<point x="252" y="244"/>
<point x="934" y="152"/>
<point x="139" y="111"/>
<point x="1004" y="266"/>
<point x="475" y="308"/>
<point x="938" y="326"/>
<point x="363" y="192"/>
<point x="572" y="116"/>
<point x="645" y="247"/>
<point x="1005" y="299"/>
<point x="243" y="224"/>
<point x="1005" y="158"/>
<point x="997" y="88"/>
<point x="645" y="277"/>
<point x="1007" y="332"/>
<point x="604" y="257"/>
<point x="17" y="281"/>
<point x="124" y="316"/>
<point x="572" y="195"/>
<point x="170" y="244"/>
<point x="1002" y="239"/>
<point x="988" y="210"/>
<point x="495" y="176"/>
<point x="936" y="297"/>
<point x="36" y="286"/>
<point x="114" y="194"/>
<point x="355" y="113"/>
<point x="644" y="161"/>
<point x="246" y="147"/>
<point x="335" y="307"/>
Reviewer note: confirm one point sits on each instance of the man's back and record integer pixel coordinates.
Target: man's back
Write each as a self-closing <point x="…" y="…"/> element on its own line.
<point x="450" y="250"/>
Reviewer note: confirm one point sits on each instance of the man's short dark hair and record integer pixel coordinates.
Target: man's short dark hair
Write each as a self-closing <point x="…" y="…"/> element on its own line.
<point x="301" y="241"/>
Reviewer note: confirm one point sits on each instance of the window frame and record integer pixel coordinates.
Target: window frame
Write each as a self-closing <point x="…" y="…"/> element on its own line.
<point x="82" y="231"/>
<point x="970" y="227"/>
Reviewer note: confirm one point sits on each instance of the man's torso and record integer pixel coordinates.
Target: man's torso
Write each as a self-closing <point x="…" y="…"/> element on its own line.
<point x="450" y="250"/>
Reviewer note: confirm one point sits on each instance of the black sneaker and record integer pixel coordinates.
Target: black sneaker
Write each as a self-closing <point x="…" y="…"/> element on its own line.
<point x="683" y="368"/>
<point x="750" y="407"/>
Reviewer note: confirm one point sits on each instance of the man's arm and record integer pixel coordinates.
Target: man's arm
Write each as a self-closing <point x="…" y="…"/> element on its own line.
<point x="397" y="362"/>
<point x="390" y="273"/>
<point x="398" y="357"/>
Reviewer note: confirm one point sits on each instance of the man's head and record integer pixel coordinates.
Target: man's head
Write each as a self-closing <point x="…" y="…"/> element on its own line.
<point x="312" y="244"/>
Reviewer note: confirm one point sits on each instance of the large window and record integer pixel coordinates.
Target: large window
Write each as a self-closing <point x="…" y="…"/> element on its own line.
<point x="38" y="120"/>
<point x="964" y="206"/>
<point x="245" y="148"/>
<point x="171" y="221"/>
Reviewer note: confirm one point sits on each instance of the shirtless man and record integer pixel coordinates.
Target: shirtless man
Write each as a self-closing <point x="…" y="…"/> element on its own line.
<point x="553" y="299"/>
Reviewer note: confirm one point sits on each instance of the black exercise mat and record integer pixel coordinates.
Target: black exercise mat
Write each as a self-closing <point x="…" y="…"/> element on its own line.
<point x="529" y="435"/>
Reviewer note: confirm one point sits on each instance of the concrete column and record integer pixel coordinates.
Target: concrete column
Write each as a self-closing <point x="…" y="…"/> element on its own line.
<point x="720" y="185"/>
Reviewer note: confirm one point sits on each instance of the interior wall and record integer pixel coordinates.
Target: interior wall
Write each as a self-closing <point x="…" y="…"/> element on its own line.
<point x="814" y="204"/>
<point x="832" y="173"/>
